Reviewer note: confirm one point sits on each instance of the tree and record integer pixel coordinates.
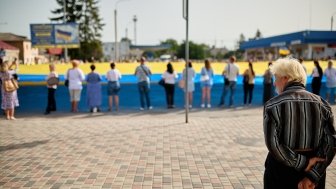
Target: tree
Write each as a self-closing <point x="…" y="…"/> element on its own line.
<point x="258" y="35"/>
<point x="196" y="51"/>
<point x="174" y="46"/>
<point x="86" y="14"/>
<point x="73" y="11"/>
<point x="240" y="41"/>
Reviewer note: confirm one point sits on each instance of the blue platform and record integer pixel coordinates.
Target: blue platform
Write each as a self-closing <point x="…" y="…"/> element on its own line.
<point x="34" y="98"/>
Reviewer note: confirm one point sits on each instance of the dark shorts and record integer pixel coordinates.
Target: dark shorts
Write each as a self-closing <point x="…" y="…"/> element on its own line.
<point x="113" y="88"/>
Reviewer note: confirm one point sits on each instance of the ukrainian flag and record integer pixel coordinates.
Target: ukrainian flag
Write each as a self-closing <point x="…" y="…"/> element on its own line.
<point x="65" y="35"/>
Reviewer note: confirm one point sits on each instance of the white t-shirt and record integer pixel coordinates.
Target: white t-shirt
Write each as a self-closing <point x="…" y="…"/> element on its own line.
<point x="331" y="77"/>
<point x="231" y="71"/>
<point x="113" y="75"/>
<point x="169" y="78"/>
<point x="76" y="76"/>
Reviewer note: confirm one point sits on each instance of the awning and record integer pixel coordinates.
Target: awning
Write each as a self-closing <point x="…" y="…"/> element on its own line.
<point x="55" y="51"/>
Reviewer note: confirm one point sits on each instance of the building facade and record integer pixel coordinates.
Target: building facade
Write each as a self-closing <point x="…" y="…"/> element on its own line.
<point x="27" y="54"/>
<point x="305" y="44"/>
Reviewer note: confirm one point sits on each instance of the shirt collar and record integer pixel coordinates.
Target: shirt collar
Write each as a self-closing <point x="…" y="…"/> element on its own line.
<point x="294" y="85"/>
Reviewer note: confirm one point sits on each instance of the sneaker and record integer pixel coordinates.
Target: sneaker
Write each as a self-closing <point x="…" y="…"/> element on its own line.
<point x="202" y="105"/>
<point x="150" y="107"/>
<point x="142" y="109"/>
<point x="209" y="106"/>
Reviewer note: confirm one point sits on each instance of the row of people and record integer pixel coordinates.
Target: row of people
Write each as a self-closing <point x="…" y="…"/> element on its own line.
<point x="75" y="76"/>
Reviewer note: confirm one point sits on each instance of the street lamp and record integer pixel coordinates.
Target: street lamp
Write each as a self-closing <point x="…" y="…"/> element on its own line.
<point x="135" y="20"/>
<point x="64" y="22"/>
<point x="332" y="20"/>
<point x="115" y="30"/>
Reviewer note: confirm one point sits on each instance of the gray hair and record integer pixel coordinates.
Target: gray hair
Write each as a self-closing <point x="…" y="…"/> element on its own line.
<point x="291" y="68"/>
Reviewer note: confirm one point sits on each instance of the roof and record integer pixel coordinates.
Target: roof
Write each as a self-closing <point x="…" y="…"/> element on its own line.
<point x="302" y="37"/>
<point x="6" y="46"/>
<point x="12" y="37"/>
<point x="151" y="47"/>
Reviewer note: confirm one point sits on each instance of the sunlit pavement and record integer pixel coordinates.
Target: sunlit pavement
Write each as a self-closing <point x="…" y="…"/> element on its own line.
<point x="219" y="148"/>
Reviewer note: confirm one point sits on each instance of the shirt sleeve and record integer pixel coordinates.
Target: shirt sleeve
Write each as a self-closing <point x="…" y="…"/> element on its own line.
<point x="275" y="145"/>
<point x="326" y="150"/>
<point x="82" y="75"/>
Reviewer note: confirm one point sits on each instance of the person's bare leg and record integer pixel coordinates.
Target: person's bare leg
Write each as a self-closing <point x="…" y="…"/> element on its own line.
<point x="190" y="98"/>
<point x="72" y="106"/>
<point x="116" y="102"/>
<point x="208" y="95"/>
<point x="7" y="114"/>
<point x="203" y="95"/>
<point x="12" y="113"/>
<point x="110" y="103"/>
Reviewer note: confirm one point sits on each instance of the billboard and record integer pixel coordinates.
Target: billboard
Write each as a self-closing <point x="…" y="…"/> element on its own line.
<point x="55" y="35"/>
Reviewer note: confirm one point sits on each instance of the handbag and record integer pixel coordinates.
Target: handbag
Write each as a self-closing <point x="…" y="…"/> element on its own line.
<point x="66" y="83"/>
<point x="10" y="85"/>
<point x="53" y="81"/>
<point x="181" y="83"/>
<point x="161" y="82"/>
<point x="226" y="81"/>
<point x="205" y="77"/>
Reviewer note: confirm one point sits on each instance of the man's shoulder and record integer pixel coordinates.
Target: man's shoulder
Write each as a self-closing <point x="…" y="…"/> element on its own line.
<point x="295" y="96"/>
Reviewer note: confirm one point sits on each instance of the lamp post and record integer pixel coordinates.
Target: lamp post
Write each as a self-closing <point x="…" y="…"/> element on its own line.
<point x="64" y="21"/>
<point x="116" y="31"/>
<point x="135" y="20"/>
<point x="332" y="20"/>
<point x="186" y="17"/>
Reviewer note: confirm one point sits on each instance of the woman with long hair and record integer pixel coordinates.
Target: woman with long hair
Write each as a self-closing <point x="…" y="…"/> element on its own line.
<point x="190" y="80"/>
<point x="317" y="75"/>
<point x="206" y="83"/>
<point x="169" y="77"/>
<point x="249" y="76"/>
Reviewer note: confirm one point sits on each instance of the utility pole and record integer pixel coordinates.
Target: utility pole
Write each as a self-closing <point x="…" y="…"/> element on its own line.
<point x="64" y="21"/>
<point x="186" y="95"/>
<point x="135" y="20"/>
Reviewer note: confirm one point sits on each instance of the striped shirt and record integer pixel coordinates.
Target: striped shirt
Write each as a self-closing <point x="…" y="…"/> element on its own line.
<point x="297" y="120"/>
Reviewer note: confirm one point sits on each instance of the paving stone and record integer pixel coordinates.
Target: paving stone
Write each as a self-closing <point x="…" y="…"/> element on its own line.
<point x="218" y="148"/>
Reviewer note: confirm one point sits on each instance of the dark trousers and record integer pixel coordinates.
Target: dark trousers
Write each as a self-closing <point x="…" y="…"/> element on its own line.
<point x="268" y="92"/>
<point x="248" y="91"/>
<point x="170" y="89"/>
<point x="316" y="85"/>
<point x="279" y="176"/>
<point x="51" y="106"/>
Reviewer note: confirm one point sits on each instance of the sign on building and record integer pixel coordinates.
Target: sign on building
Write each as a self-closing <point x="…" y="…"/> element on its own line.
<point x="55" y="35"/>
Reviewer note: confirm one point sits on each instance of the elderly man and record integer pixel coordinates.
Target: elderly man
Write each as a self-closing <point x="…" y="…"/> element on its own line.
<point x="299" y="132"/>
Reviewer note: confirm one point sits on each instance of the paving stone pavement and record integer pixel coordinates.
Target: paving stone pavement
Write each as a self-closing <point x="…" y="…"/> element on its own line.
<point x="219" y="148"/>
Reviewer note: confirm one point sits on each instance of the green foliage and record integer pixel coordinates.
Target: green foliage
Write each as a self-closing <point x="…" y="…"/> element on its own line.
<point x="86" y="14"/>
<point x="196" y="51"/>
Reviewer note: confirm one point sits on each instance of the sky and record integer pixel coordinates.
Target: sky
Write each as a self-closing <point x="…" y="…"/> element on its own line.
<point x="213" y="22"/>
